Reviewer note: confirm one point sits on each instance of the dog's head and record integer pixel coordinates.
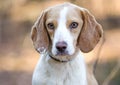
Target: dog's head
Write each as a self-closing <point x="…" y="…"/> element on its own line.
<point x="64" y="29"/>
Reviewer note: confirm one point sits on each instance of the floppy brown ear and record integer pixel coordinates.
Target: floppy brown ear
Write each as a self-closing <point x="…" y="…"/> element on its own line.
<point x="39" y="34"/>
<point x="90" y="33"/>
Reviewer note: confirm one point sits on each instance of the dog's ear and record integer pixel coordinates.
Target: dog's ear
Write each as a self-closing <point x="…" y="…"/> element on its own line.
<point x="90" y="33"/>
<point x="39" y="34"/>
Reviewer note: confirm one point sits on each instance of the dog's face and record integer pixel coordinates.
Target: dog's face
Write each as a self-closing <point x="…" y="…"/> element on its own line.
<point x="64" y="29"/>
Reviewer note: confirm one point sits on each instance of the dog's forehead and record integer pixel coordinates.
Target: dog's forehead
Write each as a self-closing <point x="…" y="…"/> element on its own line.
<point x="54" y="12"/>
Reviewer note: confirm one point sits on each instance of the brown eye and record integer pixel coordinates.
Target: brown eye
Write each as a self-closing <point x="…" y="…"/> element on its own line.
<point x="73" y="25"/>
<point x="50" y="26"/>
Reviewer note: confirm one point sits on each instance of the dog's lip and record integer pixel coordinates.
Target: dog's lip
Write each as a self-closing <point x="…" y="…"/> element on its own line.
<point x="62" y="54"/>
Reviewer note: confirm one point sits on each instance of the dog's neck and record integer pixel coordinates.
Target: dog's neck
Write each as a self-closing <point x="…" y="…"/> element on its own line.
<point x="63" y="70"/>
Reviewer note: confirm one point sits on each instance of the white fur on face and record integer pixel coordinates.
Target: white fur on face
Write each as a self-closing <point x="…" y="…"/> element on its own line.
<point x="63" y="34"/>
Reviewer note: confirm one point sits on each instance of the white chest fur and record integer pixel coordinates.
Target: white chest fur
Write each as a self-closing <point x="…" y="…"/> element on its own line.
<point x="50" y="72"/>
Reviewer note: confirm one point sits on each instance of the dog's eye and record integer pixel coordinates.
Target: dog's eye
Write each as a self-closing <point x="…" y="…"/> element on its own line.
<point x="50" y="26"/>
<point x="73" y="25"/>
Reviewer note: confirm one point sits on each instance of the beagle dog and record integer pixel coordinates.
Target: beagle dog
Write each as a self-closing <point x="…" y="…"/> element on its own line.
<point x="60" y="35"/>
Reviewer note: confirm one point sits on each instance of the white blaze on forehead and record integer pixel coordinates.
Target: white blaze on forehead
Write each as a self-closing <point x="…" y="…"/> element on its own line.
<point x="63" y="15"/>
<point x="62" y="33"/>
<point x="62" y="20"/>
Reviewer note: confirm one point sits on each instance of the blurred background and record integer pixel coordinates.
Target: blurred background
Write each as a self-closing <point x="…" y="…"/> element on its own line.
<point x="18" y="57"/>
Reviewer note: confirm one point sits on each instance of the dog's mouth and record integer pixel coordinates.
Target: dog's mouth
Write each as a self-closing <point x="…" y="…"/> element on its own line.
<point x="61" y="57"/>
<point x="64" y="53"/>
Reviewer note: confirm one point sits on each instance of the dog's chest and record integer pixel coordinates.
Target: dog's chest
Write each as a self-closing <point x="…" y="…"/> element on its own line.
<point x="65" y="77"/>
<point x="72" y="73"/>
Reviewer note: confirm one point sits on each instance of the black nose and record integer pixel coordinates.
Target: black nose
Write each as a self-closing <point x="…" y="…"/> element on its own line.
<point x="61" y="46"/>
